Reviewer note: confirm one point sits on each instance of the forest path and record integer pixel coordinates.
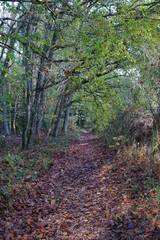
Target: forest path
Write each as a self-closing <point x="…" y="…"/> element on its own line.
<point x="80" y="198"/>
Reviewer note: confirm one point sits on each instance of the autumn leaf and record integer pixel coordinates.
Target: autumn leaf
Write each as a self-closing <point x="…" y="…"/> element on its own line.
<point x="53" y="202"/>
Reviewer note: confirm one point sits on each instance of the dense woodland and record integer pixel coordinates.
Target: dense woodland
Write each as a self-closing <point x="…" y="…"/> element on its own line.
<point x="77" y="71"/>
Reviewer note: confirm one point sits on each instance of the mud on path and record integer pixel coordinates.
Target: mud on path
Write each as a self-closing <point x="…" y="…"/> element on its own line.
<point x="80" y="198"/>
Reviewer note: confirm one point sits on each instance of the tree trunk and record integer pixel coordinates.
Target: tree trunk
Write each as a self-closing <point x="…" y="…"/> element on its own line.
<point x="59" y="118"/>
<point x="29" y="99"/>
<point x="66" y="119"/>
<point x="43" y="93"/>
<point x="15" y="115"/>
<point x="4" y="91"/>
<point x="5" y="121"/>
<point x="41" y="112"/>
<point x="28" y="75"/>
<point x="35" y="106"/>
<point x="50" y="130"/>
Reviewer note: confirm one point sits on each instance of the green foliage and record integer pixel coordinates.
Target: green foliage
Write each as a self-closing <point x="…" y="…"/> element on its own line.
<point x="117" y="130"/>
<point x="99" y="52"/>
<point x="117" y="141"/>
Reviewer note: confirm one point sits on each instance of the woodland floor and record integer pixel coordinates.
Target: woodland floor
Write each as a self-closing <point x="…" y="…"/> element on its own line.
<point x="83" y="196"/>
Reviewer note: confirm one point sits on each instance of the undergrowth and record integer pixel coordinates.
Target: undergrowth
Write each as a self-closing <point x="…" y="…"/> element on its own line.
<point x="141" y="176"/>
<point x="17" y="168"/>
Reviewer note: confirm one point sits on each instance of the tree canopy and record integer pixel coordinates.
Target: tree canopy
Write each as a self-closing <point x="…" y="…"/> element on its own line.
<point x="90" y="57"/>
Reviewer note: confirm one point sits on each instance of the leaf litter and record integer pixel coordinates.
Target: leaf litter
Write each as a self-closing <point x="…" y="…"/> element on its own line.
<point x="85" y="195"/>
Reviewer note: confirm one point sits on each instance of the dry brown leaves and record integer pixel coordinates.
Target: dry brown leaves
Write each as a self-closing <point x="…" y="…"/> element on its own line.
<point x="85" y="195"/>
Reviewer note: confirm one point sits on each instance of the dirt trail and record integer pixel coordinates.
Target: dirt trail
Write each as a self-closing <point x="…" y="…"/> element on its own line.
<point x="80" y="199"/>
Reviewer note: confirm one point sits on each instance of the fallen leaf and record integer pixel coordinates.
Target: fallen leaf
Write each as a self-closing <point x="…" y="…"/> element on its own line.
<point x="53" y="202"/>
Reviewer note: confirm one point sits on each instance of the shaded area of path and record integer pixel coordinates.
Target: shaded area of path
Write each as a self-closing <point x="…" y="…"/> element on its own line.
<point x="80" y="198"/>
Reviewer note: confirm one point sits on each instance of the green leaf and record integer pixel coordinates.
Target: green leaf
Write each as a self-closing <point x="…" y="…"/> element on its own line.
<point x="6" y="74"/>
<point x="158" y="29"/>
